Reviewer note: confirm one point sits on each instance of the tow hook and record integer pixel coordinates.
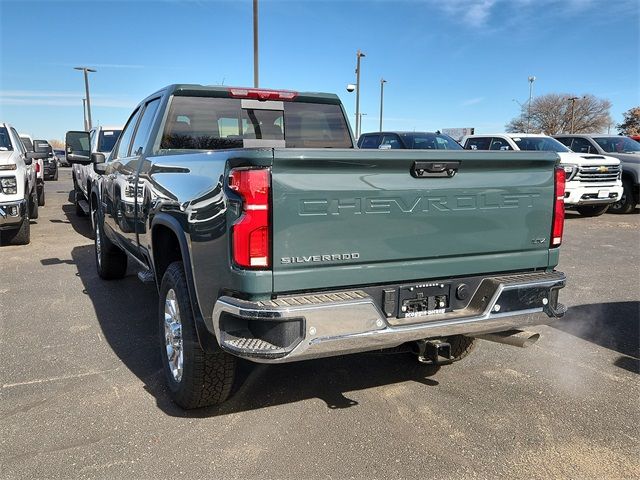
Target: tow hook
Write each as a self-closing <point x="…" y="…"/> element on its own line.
<point x="434" y="352"/>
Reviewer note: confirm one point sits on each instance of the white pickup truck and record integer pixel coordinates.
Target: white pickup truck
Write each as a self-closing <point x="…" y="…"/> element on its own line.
<point x="18" y="193"/>
<point x="593" y="181"/>
<point x="102" y="140"/>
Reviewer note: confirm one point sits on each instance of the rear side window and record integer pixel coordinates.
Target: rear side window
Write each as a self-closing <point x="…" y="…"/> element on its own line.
<point x="125" y="137"/>
<point x="392" y="140"/>
<point x="370" y="141"/>
<point x="144" y="127"/>
<point x="209" y="123"/>
<point x="478" y="143"/>
<point x="5" y="141"/>
<point x="582" y="145"/>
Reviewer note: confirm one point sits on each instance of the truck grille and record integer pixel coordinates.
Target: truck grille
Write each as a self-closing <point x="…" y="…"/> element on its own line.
<point x="602" y="173"/>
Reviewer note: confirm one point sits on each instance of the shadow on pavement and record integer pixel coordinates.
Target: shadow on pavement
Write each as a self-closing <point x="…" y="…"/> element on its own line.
<point x="615" y="326"/>
<point x="81" y="225"/>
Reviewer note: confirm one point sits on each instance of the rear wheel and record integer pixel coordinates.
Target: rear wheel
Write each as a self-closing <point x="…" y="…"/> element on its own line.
<point x="111" y="262"/>
<point x="33" y="205"/>
<point x="592" y="210"/>
<point x="627" y="202"/>
<point x="195" y="378"/>
<point x="41" y="195"/>
<point x="461" y="346"/>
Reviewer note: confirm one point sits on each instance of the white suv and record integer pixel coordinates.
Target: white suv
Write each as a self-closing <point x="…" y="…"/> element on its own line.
<point x="593" y="181"/>
<point x="18" y="193"/>
<point x="102" y="140"/>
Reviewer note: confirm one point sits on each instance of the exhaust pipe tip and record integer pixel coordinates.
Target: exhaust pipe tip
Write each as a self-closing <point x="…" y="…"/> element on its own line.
<point x="515" y="338"/>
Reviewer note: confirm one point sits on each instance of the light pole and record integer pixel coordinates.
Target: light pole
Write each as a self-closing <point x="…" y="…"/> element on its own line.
<point x="86" y="70"/>
<point x="382" y="82"/>
<point x="573" y="104"/>
<point x="84" y="113"/>
<point x="255" y="43"/>
<point x="359" y="55"/>
<point x="360" y="124"/>
<point x="531" y="80"/>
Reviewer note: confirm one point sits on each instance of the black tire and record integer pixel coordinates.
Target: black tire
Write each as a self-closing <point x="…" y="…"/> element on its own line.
<point x="20" y="235"/>
<point x="41" y="198"/>
<point x="111" y="261"/>
<point x="461" y="346"/>
<point x="627" y="202"/>
<point x="77" y="195"/>
<point x="33" y="206"/>
<point x="206" y="378"/>
<point x="592" y="210"/>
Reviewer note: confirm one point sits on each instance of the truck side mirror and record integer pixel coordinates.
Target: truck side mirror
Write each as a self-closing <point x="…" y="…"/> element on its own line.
<point x="98" y="160"/>
<point x="30" y="156"/>
<point x="77" y="147"/>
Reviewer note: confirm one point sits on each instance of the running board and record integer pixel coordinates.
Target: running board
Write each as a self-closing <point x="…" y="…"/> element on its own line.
<point x="146" y="276"/>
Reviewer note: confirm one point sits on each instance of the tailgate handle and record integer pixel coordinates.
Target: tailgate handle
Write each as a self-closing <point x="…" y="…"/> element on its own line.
<point x="434" y="169"/>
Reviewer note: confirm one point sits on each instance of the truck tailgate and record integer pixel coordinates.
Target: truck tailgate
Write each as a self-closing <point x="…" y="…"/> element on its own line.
<point x="359" y="217"/>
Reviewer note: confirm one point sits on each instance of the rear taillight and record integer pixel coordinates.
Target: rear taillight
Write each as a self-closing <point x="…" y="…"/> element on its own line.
<point x="37" y="167"/>
<point x="558" y="207"/>
<point x="260" y="94"/>
<point x="251" y="234"/>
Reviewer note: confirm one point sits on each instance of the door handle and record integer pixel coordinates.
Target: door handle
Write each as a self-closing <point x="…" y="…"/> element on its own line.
<point x="445" y="169"/>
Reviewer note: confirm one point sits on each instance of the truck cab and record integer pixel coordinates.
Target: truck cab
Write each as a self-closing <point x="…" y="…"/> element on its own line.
<point x="593" y="181"/>
<point x="38" y="166"/>
<point x="18" y="194"/>
<point x="102" y="139"/>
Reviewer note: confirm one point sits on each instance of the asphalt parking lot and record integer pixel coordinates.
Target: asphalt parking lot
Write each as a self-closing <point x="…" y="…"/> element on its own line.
<point x="82" y="394"/>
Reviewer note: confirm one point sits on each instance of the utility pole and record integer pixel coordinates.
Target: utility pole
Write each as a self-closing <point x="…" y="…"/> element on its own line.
<point x="255" y="43"/>
<point x="86" y="71"/>
<point x="382" y="82"/>
<point x="84" y="113"/>
<point x="573" y="104"/>
<point x="359" y="55"/>
<point x="531" y="80"/>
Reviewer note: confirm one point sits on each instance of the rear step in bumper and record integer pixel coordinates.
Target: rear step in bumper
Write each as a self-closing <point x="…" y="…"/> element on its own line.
<point x="337" y="323"/>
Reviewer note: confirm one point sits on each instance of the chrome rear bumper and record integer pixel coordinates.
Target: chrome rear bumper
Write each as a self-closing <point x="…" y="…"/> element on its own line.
<point x="336" y="323"/>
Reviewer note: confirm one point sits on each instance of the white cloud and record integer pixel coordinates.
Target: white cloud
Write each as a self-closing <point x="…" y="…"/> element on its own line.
<point x="472" y="101"/>
<point x="61" y="99"/>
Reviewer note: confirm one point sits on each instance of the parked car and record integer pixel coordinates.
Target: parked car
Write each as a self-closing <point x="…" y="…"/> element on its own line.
<point x="62" y="158"/>
<point x="51" y="162"/>
<point x="411" y="140"/>
<point x="102" y="140"/>
<point x="18" y="192"/>
<point x="38" y="164"/>
<point x="271" y="238"/>
<point x="593" y="181"/>
<point x="624" y="149"/>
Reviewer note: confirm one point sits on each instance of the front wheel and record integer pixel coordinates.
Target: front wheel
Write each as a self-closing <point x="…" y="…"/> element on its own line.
<point x="627" y="202"/>
<point x="195" y="378"/>
<point x="33" y="205"/>
<point x="41" y="195"/>
<point x="592" y="210"/>
<point x="20" y="235"/>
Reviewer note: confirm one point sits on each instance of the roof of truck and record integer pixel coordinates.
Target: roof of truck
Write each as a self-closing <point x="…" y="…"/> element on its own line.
<point x="225" y="91"/>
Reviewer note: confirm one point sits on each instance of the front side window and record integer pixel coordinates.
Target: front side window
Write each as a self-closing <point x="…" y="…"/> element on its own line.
<point x="127" y="134"/>
<point x="478" y="143"/>
<point x="392" y="140"/>
<point x="19" y="146"/>
<point x="209" y="123"/>
<point x="540" y="144"/>
<point x="499" y="144"/>
<point x="28" y="145"/>
<point x="5" y="141"/>
<point x="618" y="144"/>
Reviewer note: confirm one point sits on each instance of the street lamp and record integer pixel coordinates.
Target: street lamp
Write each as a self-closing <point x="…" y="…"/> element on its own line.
<point x="360" y="115"/>
<point x="531" y="80"/>
<point x="86" y="70"/>
<point x="255" y="43"/>
<point x="356" y="87"/>
<point x="382" y="82"/>
<point x="573" y="104"/>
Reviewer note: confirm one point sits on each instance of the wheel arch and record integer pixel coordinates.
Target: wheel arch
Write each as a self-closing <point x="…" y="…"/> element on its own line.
<point x="168" y="238"/>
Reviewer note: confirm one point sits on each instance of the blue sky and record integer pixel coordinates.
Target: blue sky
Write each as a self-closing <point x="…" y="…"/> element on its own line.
<point x="449" y="63"/>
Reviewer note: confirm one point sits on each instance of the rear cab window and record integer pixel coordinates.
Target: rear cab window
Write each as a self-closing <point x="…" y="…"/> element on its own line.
<point x="478" y="143"/>
<point x="107" y="140"/>
<point x="214" y="123"/>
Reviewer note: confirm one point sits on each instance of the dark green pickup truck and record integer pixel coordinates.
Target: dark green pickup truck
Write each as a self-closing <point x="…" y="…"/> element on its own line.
<point x="272" y="238"/>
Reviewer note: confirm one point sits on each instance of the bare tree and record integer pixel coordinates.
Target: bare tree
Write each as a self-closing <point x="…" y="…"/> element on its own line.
<point x="59" y="144"/>
<point x="631" y="123"/>
<point x="563" y="113"/>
